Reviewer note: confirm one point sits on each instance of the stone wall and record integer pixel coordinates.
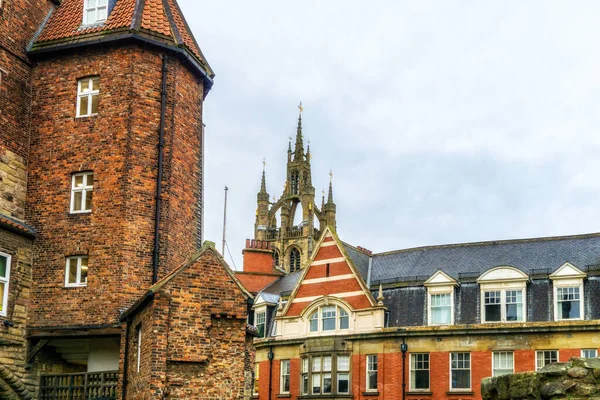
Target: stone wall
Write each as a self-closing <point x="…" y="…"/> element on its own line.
<point x="576" y="379"/>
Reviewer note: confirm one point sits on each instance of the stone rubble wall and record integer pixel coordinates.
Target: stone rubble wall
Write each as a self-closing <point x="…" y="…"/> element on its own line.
<point x="577" y="379"/>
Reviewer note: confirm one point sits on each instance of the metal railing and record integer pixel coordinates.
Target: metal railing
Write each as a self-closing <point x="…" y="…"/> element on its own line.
<point x="83" y="386"/>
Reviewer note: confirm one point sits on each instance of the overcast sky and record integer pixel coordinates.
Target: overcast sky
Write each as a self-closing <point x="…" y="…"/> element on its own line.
<point x="443" y="122"/>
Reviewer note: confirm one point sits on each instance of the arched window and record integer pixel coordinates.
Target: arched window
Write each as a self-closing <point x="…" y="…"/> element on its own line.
<point x="294" y="260"/>
<point x="328" y="318"/>
<point x="276" y="258"/>
<point x="295" y="181"/>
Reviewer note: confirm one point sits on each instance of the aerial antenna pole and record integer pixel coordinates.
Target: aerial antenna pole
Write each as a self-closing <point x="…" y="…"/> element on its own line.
<point x="224" y="221"/>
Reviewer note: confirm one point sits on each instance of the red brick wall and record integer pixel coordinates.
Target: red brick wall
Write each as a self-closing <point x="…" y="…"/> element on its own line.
<point x="258" y="261"/>
<point x="120" y="146"/>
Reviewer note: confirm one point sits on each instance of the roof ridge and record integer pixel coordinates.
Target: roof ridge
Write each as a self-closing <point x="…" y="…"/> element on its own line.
<point x="491" y="243"/>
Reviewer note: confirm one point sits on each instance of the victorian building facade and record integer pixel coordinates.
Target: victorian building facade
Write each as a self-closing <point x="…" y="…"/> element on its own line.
<point x="103" y="271"/>
<point x="421" y="323"/>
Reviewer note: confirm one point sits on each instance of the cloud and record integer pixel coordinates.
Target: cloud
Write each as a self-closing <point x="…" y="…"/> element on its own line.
<point x="442" y="121"/>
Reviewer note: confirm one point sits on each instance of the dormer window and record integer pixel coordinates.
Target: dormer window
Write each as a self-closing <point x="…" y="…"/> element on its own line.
<point x="440" y="299"/>
<point x="568" y="292"/>
<point x="329" y="318"/>
<point x="94" y="11"/>
<point x="503" y="294"/>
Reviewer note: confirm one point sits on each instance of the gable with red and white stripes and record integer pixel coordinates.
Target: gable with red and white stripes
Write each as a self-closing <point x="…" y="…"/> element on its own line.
<point x="330" y="273"/>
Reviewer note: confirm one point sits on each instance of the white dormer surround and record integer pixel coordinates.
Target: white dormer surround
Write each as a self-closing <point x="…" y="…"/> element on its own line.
<point x="260" y="311"/>
<point x="94" y="11"/>
<point x="568" y="292"/>
<point x="503" y="295"/>
<point x="330" y="315"/>
<point x="440" y="299"/>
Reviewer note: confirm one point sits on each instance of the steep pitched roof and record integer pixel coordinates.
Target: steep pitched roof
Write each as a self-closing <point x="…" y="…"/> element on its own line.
<point x="160" y="21"/>
<point x="206" y="247"/>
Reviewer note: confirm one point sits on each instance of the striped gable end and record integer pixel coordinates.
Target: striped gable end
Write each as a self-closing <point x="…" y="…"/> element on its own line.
<point x="329" y="273"/>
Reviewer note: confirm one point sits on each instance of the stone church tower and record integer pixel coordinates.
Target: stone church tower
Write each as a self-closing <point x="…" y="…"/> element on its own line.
<point x="293" y="222"/>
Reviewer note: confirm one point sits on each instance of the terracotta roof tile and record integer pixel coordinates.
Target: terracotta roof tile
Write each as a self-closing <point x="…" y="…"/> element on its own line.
<point x="65" y="24"/>
<point x="16" y="225"/>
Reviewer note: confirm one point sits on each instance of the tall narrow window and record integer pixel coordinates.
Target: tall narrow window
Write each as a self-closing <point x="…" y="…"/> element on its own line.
<point x="82" y="188"/>
<point x="327" y="375"/>
<point x="76" y="271"/>
<point x="503" y="363"/>
<point x="372" y="373"/>
<point x="4" y="281"/>
<point x="261" y="318"/>
<point x="316" y="375"/>
<point x="514" y="305"/>
<point x="492" y="306"/>
<point x="343" y="374"/>
<point x="255" y="374"/>
<point x="460" y="364"/>
<point x="304" y="377"/>
<point x="285" y="376"/>
<point x="276" y="258"/>
<point x="295" y="178"/>
<point x="294" y="260"/>
<point x="139" y="347"/>
<point x="441" y="309"/>
<point x="344" y="319"/>
<point x="88" y="90"/>
<point x="545" y="357"/>
<point x="94" y="11"/>
<point x="568" y="302"/>
<point x="314" y="321"/>
<point x="419" y="371"/>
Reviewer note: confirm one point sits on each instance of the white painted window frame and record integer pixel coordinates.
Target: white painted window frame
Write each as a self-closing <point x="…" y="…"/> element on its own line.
<point x="369" y="369"/>
<point x="319" y="311"/>
<point x="460" y="369"/>
<point x="565" y="284"/>
<point x="84" y="190"/>
<point x="6" y="281"/>
<point x="97" y="6"/>
<point x="139" y="348"/>
<point x="263" y="315"/>
<point x="78" y="282"/>
<point x="411" y="380"/>
<point x="537" y="354"/>
<point x="339" y="371"/>
<point x="284" y="372"/>
<point x="89" y="94"/>
<point x="437" y="291"/>
<point x="503" y="303"/>
<point x="497" y="353"/>
<point x="595" y="352"/>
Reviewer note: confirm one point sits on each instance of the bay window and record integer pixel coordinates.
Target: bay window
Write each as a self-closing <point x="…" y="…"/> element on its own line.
<point x="325" y="375"/>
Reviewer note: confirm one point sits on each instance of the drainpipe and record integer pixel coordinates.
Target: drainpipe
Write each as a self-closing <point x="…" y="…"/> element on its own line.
<point x="271" y="356"/>
<point x="161" y="145"/>
<point x="403" y="349"/>
<point x="369" y="272"/>
<point x="126" y="359"/>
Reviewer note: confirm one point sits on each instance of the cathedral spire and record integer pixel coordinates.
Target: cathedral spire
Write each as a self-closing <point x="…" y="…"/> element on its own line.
<point x="299" y="150"/>
<point x="263" y="183"/>
<point x="330" y="195"/>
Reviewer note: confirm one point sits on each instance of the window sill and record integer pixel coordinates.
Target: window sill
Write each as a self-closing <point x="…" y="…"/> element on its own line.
<point x="74" y="286"/>
<point x="85" y="117"/>
<point x="325" y="396"/>
<point x="467" y="392"/>
<point x="284" y="396"/>
<point x="370" y="393"/>
<point x="419" y="393"/>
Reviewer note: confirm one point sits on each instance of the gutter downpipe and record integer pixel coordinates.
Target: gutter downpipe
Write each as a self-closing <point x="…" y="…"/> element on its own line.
<point x="126" y="359"/>
<point x="369" y="272"/>
<point x="271" y="356"/>
<point x="161" y="145"/>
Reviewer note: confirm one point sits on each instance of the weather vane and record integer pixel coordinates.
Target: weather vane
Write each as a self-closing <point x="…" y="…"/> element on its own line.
<point x="330" y="175"/>
<point x="300" y="108"/>
<point x="264" y="163"/>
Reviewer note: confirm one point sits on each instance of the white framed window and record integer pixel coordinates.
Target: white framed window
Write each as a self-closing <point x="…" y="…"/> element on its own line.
<point x="589" y="353"/>
<point x="318" y="375"/>
<point x="419" y="371"/>
<point x="82" y="189"/>
<point x="255" y="376"/>
<point x="94" y="11"/>
<point x="503" y="362"/>
<point x="440" y="309"/>
<point x="372" y="373"/>
<point x="139" y="347"/>
<point x="76" y="271"/>
<point x="343" y="374"/>
<point x="284" y="382"/>
<point x="328" y="318"/>
<point x="460" y="371"/>
<point x="261" y="319"/>
<point x="503" y="306"/>
<point x="568" y="302"/>
<point x="545" y="357"/>
<point x="88" y="92"/>
<point x="5" y="260"/>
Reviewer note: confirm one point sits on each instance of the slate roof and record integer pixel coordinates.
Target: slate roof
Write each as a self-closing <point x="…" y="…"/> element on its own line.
<point x="359" y="258"/>
<point x="284" y="285"/>
<point x="160" y="20"/>
<point x="532" y="256"/>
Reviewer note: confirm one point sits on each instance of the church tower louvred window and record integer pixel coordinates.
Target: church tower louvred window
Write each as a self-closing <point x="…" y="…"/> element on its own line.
<point x="294" y="260"/>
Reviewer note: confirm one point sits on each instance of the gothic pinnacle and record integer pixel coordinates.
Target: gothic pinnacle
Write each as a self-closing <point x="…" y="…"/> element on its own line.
<point x="330" y="195"/>
<point x="299" y="150"/>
